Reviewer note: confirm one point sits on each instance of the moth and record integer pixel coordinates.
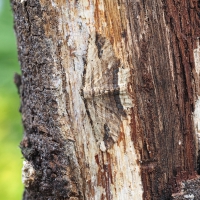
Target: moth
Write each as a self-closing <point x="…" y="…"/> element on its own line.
<point x="105" y="91"/>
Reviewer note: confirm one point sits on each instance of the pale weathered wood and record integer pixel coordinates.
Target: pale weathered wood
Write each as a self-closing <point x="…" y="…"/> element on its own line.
<point x="108" y="92"/>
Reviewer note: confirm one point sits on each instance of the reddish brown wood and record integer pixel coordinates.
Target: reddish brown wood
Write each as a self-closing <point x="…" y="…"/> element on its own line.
<point x="165" y="34"/>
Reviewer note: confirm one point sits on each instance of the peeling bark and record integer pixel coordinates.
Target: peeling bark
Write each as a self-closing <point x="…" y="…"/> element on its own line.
<point x="109" y="98"/>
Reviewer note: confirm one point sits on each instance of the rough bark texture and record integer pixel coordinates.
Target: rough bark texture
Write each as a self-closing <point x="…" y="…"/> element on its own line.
<point x="189" y="190"/>
<point x="108" y="92"/>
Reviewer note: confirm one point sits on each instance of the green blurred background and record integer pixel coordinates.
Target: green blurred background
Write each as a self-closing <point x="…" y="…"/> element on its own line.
<point x="10" y="121"/>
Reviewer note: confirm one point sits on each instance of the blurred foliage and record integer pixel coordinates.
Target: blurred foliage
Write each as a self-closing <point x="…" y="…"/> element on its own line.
<point x="10" y="121"/>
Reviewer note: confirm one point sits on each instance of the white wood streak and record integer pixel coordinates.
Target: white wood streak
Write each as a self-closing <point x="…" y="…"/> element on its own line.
<point x="196" y="115"/>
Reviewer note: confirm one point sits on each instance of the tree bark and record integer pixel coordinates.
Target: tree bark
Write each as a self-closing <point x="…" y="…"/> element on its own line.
<point x="109" y="98"/>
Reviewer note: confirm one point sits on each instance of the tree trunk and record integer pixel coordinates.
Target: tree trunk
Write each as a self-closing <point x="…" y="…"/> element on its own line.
<point x="109" y="98"/>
